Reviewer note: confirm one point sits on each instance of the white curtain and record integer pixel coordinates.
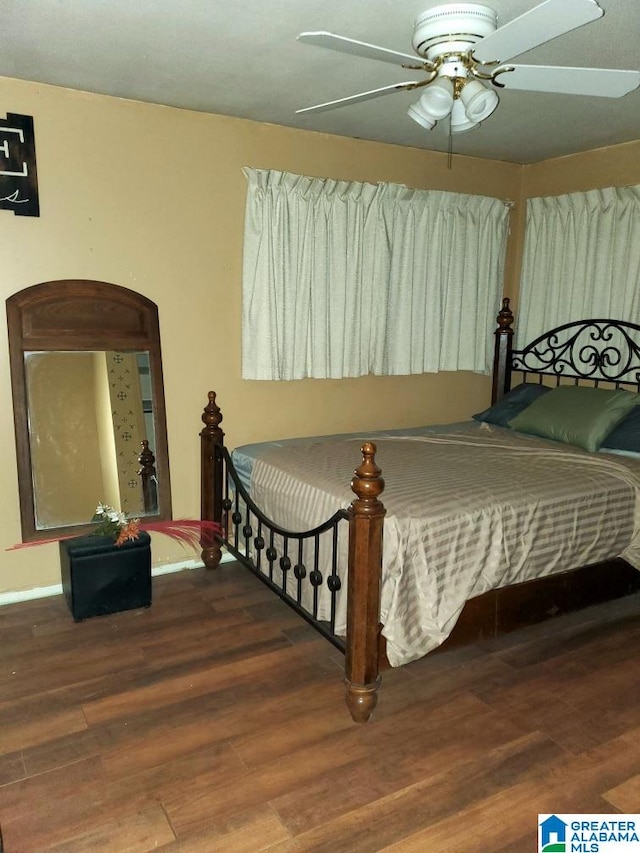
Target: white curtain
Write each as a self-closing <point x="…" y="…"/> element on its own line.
<point x="581" y="260"/>
<point x="345" y="279"/>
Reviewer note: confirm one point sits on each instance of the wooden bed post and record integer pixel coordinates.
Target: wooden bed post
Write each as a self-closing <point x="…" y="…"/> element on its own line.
<point x="502" y="353"/>
<point x="211" y="443"/>
<point x="366" y="516"/>
<point x="147" y="474"/>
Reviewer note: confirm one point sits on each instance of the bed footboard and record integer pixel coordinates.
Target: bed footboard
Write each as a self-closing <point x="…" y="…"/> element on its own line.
<point x="245" y="531"/>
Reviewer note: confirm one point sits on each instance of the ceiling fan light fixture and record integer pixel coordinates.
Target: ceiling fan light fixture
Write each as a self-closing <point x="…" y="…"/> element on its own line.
<point x="437" y="98"/>
<point x="418" y="115"/>
<point x="478" y="101"/>
<point x="459" y="120"/>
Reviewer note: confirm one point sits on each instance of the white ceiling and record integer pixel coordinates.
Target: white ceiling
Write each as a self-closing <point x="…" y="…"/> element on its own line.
<point x="241" y="58"/>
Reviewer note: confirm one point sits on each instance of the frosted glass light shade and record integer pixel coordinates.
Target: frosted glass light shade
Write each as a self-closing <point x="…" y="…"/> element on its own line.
<point x="416" y="113"/>
<point x="437" y="99"/>
<point x="460" y="122"/>
<point x="479" y="102"/>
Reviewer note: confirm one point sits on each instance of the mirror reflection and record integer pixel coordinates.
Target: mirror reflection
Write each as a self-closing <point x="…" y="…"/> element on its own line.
<point x="89" y="413"/>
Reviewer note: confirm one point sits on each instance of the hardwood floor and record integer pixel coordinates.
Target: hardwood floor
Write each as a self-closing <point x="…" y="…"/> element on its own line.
<point x="215" y="721"/>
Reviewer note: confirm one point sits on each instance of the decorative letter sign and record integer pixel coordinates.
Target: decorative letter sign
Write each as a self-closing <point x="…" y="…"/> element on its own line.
<point x="18" y="176"/>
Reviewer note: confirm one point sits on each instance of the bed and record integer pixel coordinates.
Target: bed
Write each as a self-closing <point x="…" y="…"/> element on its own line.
<point x="530" y="509"/>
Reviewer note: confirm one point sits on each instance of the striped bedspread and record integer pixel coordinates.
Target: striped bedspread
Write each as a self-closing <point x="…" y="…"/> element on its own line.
<point x="467" y="512"/>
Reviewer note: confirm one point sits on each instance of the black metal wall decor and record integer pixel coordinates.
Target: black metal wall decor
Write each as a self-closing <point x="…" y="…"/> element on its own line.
<point x="18" y="175"/>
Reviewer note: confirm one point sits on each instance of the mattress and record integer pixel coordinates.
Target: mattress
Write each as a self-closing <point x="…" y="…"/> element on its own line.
<point x="470" y="508"/>
<point x="245" y="455"/>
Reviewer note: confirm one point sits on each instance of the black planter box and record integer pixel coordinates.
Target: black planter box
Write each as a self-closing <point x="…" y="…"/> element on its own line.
<point x="99" y="577"/>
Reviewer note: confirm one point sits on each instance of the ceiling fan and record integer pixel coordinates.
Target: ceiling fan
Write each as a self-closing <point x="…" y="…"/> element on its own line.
<point x="464" y="55"/>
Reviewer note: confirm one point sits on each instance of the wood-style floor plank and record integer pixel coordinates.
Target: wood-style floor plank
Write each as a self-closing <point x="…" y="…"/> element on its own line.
<point x="137" y="833"/>
<point x="215" y="721"/>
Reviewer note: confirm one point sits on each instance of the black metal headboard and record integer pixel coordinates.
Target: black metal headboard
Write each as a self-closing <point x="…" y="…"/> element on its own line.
<point x="596" y="351"/>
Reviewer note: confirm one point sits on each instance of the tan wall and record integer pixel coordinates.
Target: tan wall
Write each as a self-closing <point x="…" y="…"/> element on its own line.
<point x="617" y="166"/>
<point x="152" y="198"/>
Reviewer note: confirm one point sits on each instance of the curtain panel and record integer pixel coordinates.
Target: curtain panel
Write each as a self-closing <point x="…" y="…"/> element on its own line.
<point x="344" y="279"/>
<point x="581" y="260"/>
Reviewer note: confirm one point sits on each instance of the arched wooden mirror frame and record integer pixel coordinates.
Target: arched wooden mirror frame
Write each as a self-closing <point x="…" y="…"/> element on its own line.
<point x="76" y="315"/>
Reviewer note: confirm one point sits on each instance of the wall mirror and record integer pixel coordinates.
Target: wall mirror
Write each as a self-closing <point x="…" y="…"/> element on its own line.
<point x="88" y="404"/>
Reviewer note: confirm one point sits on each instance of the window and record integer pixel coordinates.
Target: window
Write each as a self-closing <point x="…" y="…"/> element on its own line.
<point x="345" y="279"/>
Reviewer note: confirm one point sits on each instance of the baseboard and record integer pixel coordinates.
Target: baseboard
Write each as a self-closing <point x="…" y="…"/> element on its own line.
<point x="14" y="597"/>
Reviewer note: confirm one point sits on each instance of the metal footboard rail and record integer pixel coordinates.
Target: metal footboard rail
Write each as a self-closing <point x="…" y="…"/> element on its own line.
<point x="269" y="552"/>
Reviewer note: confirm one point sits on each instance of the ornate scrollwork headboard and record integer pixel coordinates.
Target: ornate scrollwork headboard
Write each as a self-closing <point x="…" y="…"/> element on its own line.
<point x="595" y="350"/>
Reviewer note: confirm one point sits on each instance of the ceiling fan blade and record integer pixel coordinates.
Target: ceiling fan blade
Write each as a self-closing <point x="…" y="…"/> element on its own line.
<point x="357" y="48"/>
<point x="537" y="26"/>
<point x="598" y="82"/>
<point x="356" y="99"/>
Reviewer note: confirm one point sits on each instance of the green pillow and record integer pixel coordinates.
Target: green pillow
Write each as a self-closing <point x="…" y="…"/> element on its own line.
<point x="576" y="415"/>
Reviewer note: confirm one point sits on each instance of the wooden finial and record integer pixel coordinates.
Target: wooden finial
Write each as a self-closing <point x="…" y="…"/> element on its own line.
<point x="211" y="418"/>
<point x="505" y="316"/>
<point x="146" y="459"/>
<point x="367" y="484"/>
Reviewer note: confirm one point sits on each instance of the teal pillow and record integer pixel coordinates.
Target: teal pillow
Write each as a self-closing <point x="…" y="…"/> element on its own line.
<point x="576" y="415"/>
<point x="626" y="436"/>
